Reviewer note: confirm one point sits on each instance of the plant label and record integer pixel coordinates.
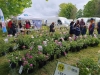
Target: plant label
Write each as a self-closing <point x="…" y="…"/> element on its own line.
<point x="45" y="43"/>
<point x="6" y="40"/>
<point x="64" y="69"/>
<point x="40" y="48"/>
<point x="21" y="69"/>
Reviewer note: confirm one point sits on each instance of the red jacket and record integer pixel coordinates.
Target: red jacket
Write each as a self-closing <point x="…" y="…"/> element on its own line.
<point x="9" y="24"/>
<point x="27" y="26"/>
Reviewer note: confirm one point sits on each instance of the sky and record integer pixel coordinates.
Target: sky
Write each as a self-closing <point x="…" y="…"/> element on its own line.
<point x="43" y="8"/>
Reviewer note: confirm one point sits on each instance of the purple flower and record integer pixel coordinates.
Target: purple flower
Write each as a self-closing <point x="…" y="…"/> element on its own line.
<point x="31" y="56"/>
<point x="31" y="65"/>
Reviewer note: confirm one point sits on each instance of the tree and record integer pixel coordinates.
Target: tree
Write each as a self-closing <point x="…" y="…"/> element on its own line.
<point x="79" y="13"/>
<point x="14" y="7"/>
<point x="67" y="10"/>
<point x="92" y="9"/>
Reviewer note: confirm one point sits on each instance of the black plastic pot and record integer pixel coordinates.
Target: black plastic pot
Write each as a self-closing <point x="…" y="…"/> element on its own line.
<point x="57" y="56"/>
<point x="13" y="65"/>
<point x="51" y="58"/>
<point x="3" y="53"/>
<point x="41" y="64"/>
<point x="20" y="63"/>
<point x="29" y="71"/>
<point x="63" y="53"/>
<point x="10" y="49"/>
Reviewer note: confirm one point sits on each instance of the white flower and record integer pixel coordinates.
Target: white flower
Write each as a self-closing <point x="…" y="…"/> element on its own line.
<point x="87" y="69"/>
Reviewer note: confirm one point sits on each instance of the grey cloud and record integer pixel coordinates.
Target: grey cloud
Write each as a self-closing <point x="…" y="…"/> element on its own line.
<point x="43" y="8"/>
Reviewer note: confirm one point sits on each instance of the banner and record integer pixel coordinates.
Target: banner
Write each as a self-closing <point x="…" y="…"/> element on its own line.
<point x="37" y="24"/>
<point x="3" y="22"/>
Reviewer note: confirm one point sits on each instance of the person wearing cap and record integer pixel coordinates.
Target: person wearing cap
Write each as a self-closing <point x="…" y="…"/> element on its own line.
<point x="91" y="26"/>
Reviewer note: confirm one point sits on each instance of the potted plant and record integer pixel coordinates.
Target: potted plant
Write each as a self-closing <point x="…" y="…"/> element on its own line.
<point x="73" y="46"/>
<point x="57" y="51"/>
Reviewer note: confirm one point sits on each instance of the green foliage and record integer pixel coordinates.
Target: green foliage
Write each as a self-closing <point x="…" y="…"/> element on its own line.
<point x="91" y="9"/>
<point x="79" y="13"/>
<point x="14" y="7"/>
<point x="67" y="10"/>
<point x="88" y="66"/>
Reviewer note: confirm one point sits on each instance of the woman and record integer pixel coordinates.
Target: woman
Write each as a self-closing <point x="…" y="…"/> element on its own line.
<point x="71" y="32"/>
<point x="91" y="26"/>
<point x="77" y="28"/>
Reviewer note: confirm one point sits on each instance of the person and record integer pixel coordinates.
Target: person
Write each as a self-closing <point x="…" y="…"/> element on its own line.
<point x="77" y="29"/>
<point x="27" y="26"/>
<point x="52" y="27"/>
<point x="13" y="28"/>
<point x="71" y="32"/>
<point x="84" y="30"/>
<point x="19" y="24"/>
<point x="98" y="27"/>
<point x="91" y="26"/>
<point x="9" y="24"/>
<point x="29" y="23"/>
<point x="82" y="23"/>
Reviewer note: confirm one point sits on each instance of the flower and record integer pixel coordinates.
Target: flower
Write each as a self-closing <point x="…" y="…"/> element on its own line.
<point x="31" y="56"/>
<point x="39" y="52"/>
<point x="23" y="58"/>
<point x="31" y="65"/>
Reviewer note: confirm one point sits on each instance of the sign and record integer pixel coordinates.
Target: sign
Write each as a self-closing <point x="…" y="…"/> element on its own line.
<point x="20" y="70"/>
<point x="37" y="24"/>
<point x="3" y="22"/>
<point x="64" y="69"/>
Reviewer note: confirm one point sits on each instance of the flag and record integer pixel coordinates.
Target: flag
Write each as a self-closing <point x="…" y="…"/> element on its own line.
<point x="3" y="22"/>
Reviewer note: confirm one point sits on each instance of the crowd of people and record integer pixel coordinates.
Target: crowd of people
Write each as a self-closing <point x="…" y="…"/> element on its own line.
<point x="80" y="28"/>
<point x="13" y="28"/>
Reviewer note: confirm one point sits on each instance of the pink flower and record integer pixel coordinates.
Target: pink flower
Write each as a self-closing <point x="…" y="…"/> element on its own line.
<point x="64" y="53"/>
<point x="39" y="52"/>
<point x="31" y="65"/>
<point x="23" y="46"/>
<point x="31" y="56"/>
<point x="31" y="48"/>
<point x="23" y="58"/>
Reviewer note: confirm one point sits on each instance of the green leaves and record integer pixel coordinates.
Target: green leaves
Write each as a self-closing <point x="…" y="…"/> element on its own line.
<point x="91" y="9"/>
<point x="67" y="10"/>
<point x="14" y="7"/>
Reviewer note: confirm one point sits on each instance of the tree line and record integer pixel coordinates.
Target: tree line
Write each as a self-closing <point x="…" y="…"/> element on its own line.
<point x="91" y="9"/>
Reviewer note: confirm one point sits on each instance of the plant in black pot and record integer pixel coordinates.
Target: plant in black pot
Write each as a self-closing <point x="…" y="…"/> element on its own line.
<point x="12" y="60"/>
<point x="66" y="45"/>
<point x="73" y="46"/>
<point x="4" y="48"/>
<point x="49" y="49"/>
<point x="41" y="60"/>
<point x="57" y="51"/>
<point x="80" y="44"/>
<point x="29" y="63"/>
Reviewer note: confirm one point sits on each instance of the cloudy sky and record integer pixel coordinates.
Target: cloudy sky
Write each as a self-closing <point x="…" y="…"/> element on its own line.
<point x="42" y="8"/>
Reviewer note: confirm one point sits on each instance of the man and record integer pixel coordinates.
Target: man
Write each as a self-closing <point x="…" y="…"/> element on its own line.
<point x="91" y="26"/>
<point x="52" y="27"/>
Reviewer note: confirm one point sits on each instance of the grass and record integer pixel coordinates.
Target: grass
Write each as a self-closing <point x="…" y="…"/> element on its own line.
<point x="71" y="58"/>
